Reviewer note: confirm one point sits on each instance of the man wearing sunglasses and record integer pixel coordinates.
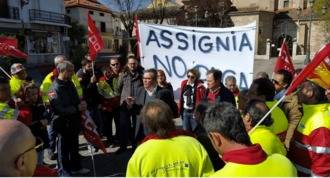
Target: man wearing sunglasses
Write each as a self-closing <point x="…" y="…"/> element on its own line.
<point x="18" y="149"/>
<point x="282" y="80"/>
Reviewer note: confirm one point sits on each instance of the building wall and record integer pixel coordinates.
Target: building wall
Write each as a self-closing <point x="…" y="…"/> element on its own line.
<point x="113" y="26"/>
<point x="267" y="5"/>
<point x="244" y="19"/>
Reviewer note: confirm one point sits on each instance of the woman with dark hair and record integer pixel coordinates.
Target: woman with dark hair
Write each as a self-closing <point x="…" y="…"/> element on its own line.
<point x="161" y="80"/>
<point x="191" y="94"/>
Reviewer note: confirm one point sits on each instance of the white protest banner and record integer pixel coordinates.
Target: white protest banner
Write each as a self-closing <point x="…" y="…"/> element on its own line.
<point x="176" y="49"/>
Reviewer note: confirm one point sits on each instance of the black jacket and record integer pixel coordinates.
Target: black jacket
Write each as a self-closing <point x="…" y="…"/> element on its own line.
<point x="64" y="101"/>
<point x="225" y="95"/>
<point x="162" y="94"/>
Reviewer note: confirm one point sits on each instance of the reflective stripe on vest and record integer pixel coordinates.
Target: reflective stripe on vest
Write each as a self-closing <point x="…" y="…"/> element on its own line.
<point x="316" y="149"/>
<point x="303" y="169"/>
<point x="8" y="113"/>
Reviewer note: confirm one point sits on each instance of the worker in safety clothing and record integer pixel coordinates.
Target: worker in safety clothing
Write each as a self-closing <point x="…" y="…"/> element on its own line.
<point x="229" y="137"/>
<point x="18" y="78"/>
<point x="6" y="112"/>
<point x="310" y="145"/>
<point x="166" y="151"/>
<point x="254" y="111"/>
<point x="264" y="89"/>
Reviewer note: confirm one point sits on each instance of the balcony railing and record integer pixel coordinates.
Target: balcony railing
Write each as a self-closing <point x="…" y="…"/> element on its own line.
<point x="10" y="13"/>
<point x="48" y="16"/>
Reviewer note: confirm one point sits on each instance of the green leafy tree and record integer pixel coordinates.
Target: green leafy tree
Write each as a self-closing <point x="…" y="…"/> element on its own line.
<point x="322" y="9"/>
<point x="78" y="46"/>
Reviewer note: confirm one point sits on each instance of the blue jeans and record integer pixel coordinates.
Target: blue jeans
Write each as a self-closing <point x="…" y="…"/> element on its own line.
<point x="189" y="122"/>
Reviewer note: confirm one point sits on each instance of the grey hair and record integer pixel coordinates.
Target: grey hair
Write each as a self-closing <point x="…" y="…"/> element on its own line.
<point x="58" y="59"/>
<point x="63" y="66"/>
<point x="230" y="78"/>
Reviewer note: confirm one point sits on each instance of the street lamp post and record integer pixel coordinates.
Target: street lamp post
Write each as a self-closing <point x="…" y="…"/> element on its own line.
<point x="196" y="15"/>
<point x="308" y="54"/>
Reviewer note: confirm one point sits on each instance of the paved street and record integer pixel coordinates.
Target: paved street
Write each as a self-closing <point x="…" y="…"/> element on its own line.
<point x="111" y="164"/>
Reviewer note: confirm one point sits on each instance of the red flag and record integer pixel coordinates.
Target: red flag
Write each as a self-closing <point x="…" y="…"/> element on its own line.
<point x="284" y="59"/>
<point x="9" y="41"/>
<point x="320" y="56"/>
<point x="8" y="47"/>
<point x="90" y="133"/>
<point x="95" y="42"/>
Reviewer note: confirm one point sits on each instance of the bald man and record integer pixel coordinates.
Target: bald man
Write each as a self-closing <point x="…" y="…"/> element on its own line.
<point x="18" y="156"/>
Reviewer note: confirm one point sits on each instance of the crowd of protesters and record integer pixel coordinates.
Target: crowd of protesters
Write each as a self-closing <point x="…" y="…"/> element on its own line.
<point x="224" y="131"/>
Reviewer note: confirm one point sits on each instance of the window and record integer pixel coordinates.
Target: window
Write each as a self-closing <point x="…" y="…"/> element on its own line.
<point x="68" y="11"/>
<point x="102" y="26"/>
<point x="91" y="12"/>
<point x="305" y="4"/>
<point x="286" y="3"/>
<point x="43" y="42"/>
<point x="101" y="14"/>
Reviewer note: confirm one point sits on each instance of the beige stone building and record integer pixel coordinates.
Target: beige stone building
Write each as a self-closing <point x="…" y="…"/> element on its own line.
<point x="277" y="19"/>
<point x="109" y="26"/>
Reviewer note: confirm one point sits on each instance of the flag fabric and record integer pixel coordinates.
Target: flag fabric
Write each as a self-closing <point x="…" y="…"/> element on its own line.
<point x="135" y="33"/>
<point x="314" y="71"/>
<point x="8" y="47"/>
<point x="89" y="131"/>
<point x="321" y="74"/>
<point x="284" y="60"/>
<point x="95" y="42"/>
<point x="9" y="41"/>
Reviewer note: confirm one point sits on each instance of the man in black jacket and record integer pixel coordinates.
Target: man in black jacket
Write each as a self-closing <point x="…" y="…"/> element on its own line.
<point x="66" y="107"/>
<point x="149" y="92"/>
<point x="216" y="92"/>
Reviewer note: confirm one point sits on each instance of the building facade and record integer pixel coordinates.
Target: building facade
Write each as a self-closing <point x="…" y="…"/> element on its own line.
<point x="293" y="20"/>
<point x="109" y="26"/>
<point x="42" y="24"/>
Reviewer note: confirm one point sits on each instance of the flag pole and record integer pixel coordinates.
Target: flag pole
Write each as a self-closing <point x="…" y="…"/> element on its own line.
<point x="270" y="110"/>
<point x="93" y="161"/>
<point x="3" y="70"/>
<point x="93" y="68"/>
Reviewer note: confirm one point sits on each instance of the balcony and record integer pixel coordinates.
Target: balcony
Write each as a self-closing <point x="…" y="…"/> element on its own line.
<point x="10" y="13"/>
<point x="47" y="16"/>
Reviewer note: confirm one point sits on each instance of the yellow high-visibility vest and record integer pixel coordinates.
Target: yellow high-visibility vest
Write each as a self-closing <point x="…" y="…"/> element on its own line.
<point x="268" y="141"/>
<point x="15" y="85"/>
<point x="280" y="124"/>
<point x="276" y="165"/>
<point x="47" y="83"/>
<point x="7" y="112"/>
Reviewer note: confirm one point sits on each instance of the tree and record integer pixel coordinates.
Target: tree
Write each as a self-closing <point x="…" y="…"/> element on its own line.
<point x="78" y="47"/>
<point x="125" y="10"/>
<point x="322" y="9"/>
<point x="159" y="10"/>
<point x="207" y="13"/>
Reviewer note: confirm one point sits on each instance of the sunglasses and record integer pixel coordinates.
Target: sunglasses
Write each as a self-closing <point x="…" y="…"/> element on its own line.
<point x="191" y="76"/>
<point x="116" y="64"/>
<point x="276" y="82"/>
